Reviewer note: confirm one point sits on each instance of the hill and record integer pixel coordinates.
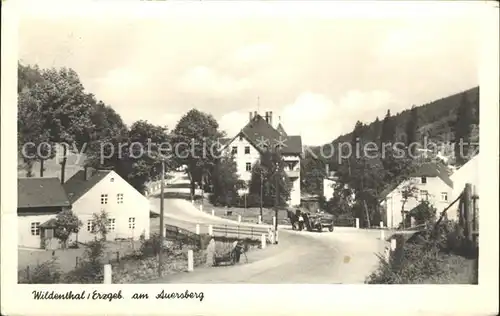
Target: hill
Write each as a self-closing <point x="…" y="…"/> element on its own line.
<point x="436" y="120"/>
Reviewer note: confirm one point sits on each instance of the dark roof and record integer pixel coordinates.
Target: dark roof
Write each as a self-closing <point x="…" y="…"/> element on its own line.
<point x="77" y="186"/>
<point x="41" y="192"/>
<point x="388" y="190"/>
<point x="258" y="131"/>
<point x="51" y="223"/>
<point x="433" y="170"/>
<point x="281" y="130"/>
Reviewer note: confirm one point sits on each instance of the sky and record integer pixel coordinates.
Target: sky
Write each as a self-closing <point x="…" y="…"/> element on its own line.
<point x="318" y="72"/>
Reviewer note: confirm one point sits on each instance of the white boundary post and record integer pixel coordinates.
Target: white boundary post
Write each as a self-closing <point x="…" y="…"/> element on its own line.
<point x="276" y="237"/>
<point x="260" y="219"/>
<point x="239" y="218"/>
<point x="197" y="229"/>
<point x="381" y="224"/>
<point x="190" y="261"/>
<point x="382" y="234"/>
<point x="213" y="212"/>
<point x="210" y="230"/>
<point x="357" y="222"/>
<point x="201" y="207"/>
<point x="274" y="221"/>
<point x="393" y="244"/>
<point x="107" y="274"/>
<point x="263" y="241"/>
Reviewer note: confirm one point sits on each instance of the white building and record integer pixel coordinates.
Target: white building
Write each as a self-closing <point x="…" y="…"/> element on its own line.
<point x="91" y="191"/>
<point x="259" y="135"/>
<point x="430" y="182"/>
<point x="468" y="173"/>
<point x="39" y="200"/>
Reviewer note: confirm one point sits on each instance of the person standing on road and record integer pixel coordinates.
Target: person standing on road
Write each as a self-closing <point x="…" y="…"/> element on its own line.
<point x="301" y="220"/>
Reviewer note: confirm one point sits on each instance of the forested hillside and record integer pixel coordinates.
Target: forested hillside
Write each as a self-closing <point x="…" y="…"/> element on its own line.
<point x="435" y="120"/>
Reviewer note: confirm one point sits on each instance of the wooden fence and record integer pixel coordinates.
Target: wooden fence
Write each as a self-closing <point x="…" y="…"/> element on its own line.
<point x="240" y="232"/>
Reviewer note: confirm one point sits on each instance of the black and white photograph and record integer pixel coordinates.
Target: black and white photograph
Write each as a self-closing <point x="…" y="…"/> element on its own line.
<point x="196" y="148"/>
<point x="277" y="151"/>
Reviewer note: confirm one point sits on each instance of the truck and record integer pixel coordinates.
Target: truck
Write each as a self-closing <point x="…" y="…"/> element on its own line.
<point x="318" y="221"/>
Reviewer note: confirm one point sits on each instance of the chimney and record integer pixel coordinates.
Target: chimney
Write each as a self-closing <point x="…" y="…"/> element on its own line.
<point x="250" y="116"/>
<point x="266" y="117"/>
<point x="270" y="117"/>
<point x="255" y="114"/>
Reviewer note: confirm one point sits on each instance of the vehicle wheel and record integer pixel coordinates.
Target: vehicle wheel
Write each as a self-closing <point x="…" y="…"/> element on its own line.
<point x="214" y="261"/>
<point x="330" y="229"/>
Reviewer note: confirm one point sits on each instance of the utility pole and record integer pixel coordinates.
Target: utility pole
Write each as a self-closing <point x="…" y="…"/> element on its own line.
<point x="162" y="228"/>
<point x="261" y="190"/>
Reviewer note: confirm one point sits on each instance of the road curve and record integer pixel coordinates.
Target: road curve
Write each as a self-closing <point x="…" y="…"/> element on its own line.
<point x="342" y="256"/>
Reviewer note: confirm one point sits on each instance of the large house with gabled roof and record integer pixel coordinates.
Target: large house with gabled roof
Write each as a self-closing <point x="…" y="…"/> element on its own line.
<point x="258" y="135"/>
<point x="430" y="182"/>
<point x="86" y="193"/>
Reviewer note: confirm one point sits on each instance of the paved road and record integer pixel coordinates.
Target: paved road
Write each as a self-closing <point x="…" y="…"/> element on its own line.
<point x="343" y="256"/>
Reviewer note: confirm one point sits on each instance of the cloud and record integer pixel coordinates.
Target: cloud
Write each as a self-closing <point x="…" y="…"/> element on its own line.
<point x="233" y="122"/>
<point x="204" y="80"/>
<point x="255" y="53"/>
<point x="319" y="119"/>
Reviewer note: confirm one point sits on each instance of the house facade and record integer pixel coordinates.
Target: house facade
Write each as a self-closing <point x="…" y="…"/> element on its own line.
<point x="39" y="200"/>
<point x="468" y="173"/>
<point x="430" y="182"/>
<point x="92" y="191"/>
<point x="259" y="135"/>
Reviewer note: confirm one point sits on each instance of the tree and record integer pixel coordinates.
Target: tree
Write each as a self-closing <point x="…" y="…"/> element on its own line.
<point x="195" y="140"/>
<point x="269" y="177"/>
<point x="409" y="190"/>
<point x="463" y="130"/>
<point x="388" y="133"/>
<point x="225" y="182"/>
<point x="411" y="130"/>
<point x="423" y="213"/>
<point x="66" y="223"/>
<point x="65" y="108"/>
<point x="312" y="173"/>
<point x="100" y="222"/>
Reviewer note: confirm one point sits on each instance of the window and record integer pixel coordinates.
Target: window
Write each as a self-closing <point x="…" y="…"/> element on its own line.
<point x="424" y="195"/>
<point x="111" y="224"/>
<point x="248" y="166"/>
<point x="119" y="198"/>
<point x="112" y="180"/>
<point x="49" y="233"/>
<point x="90" y="225"/>
<point x="35" y="228"/>
<point x="234" y="150"/>
<point x="444" y="196"/>
<point x="424" y="180"/>
<point x="131" y="222"/>
<point x="247" y="150"/>
<point x="104" y="199"/>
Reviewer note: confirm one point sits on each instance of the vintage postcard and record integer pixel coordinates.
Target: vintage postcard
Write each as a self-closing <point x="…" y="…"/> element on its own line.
<point x="207" y="157"/>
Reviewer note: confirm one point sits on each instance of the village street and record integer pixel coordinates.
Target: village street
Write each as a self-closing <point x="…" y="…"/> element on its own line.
<point x="346" y="255"/>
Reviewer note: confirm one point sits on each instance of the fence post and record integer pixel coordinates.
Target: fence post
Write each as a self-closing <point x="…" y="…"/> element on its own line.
<point x="274" y="221"/>
<point x="190" y="260"/>
<point x="107" y="274"/>
<point x="213" y="212"/>
<point x="382" y="234"/>
<point x="381" y="224"/>
<point x="357" y="222"/>
<point x="201" y="207"/>
<point x="28" y="273"/>
<point x="468" y="211"/>
<point x="76" y="263"/>
<point x="394" y="244"/>
<point x="276" y="237"/>
<point x="260" y="219"/>
<point x="118" y="256"/>
<point x="197" y="229"/>
<point x="210" y="230"/>
<point x="263" y="241"/>
<point x="239" y="218"/>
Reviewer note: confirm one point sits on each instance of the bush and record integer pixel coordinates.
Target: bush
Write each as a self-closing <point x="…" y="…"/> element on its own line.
<point x="86" y="273"/>
<point x="94" y="251"/>
<point x="44" y="273"/>
<point x="152" y="246"/>
<point x="423" y="213"/>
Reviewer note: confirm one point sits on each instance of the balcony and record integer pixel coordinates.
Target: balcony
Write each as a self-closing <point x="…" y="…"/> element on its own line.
<point x="292" y="173"/>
